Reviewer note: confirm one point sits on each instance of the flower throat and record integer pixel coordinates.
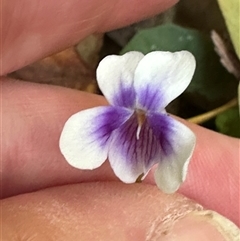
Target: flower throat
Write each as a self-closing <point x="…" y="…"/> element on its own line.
<point x="141" y="117"/>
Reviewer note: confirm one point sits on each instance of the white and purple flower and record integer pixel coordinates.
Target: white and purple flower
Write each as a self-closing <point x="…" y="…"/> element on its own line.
<point x="135" y="132"/>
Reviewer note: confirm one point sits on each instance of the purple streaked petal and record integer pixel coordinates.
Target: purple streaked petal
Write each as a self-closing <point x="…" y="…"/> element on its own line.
<point x="131" y="157"/>
<point x="177" y="143"/>
<point x="115" y="76"/>
<point x="85" y="136"/>
<point x="160" y="77"/>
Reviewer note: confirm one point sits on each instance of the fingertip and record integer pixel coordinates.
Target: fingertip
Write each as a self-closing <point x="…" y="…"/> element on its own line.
<point x="95" y="211"/>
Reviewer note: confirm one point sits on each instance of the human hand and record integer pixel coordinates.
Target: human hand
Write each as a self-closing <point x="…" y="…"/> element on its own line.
<point x="84" y="203"/>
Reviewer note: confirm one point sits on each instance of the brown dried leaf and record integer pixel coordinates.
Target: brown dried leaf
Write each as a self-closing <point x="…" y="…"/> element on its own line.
<point x="89" y="49"/>
<point x="64" y="69"/>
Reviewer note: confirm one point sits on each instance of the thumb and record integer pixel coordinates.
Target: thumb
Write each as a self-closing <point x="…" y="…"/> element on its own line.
<point x="110" y="211"/>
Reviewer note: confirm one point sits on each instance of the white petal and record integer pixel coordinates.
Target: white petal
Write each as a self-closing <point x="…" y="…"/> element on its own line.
<point x="115" y="76"/>
<point x="85" y="136"/>
<point x="130" y="155"/>
<point x="162" y="76"/>
<point x="177" y="144"/>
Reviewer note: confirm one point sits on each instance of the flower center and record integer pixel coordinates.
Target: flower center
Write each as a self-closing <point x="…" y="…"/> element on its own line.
<point x="141" y="117"/>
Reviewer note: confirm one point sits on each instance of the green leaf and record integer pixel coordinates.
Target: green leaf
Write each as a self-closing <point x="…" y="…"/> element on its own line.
<point x="231" y="11"/>
<point x="228" y="122"/>
<point x="212" y="85"/>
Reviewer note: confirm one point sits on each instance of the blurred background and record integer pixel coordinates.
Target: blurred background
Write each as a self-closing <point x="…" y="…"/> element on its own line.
<point x="209" y="29"/>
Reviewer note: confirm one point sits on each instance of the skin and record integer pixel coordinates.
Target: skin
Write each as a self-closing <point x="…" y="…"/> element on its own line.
<point x="32" y="119"/>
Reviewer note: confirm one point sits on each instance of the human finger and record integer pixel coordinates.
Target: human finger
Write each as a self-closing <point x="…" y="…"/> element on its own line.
<point x="34" y="29"/>
<point x="110" y="211"/>
<point x="32" y="123"/>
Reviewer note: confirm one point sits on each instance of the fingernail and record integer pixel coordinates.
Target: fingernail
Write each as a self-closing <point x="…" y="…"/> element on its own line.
<point x="203" y="226"/>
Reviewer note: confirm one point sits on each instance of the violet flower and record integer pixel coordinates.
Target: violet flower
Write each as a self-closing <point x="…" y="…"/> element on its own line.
<point x="135" y="132"/>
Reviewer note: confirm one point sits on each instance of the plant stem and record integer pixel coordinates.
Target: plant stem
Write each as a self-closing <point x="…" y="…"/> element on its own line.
<point x="199" y="119"/>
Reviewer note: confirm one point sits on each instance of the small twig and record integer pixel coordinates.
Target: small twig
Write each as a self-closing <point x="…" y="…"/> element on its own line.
<point x="199" y="119"/>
